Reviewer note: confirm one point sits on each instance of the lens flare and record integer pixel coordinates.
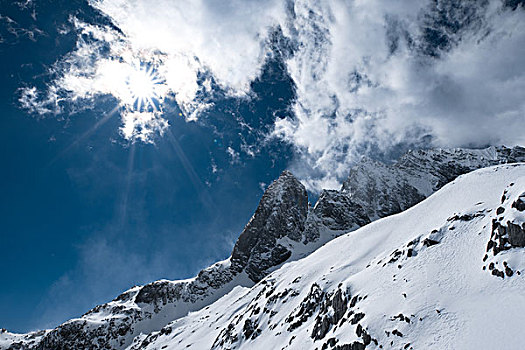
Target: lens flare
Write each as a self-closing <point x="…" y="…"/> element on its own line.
<point x="143" y="85"/>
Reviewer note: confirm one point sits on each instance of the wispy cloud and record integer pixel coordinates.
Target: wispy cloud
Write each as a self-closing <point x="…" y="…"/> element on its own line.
<point x="370" y="76"/>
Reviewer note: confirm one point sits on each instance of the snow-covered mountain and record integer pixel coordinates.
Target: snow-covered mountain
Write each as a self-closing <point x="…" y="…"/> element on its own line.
<point x="419" y="277"/>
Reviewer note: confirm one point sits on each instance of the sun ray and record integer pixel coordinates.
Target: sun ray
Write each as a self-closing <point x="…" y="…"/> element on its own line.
<point x="123" y="206"/>
<point x="85" y="135"/>
<point x="190" y="171"/>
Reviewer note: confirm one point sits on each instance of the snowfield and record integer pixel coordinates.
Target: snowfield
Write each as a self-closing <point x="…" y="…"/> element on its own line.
<point x="415" y="280"/>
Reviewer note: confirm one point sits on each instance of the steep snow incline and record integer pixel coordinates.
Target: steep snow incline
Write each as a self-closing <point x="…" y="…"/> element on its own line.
<point x="415" y="280"/>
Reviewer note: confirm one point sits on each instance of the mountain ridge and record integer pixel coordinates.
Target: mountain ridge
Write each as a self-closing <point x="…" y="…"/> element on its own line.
<point x="284" y="228"/>
<point x="415" y="280"/>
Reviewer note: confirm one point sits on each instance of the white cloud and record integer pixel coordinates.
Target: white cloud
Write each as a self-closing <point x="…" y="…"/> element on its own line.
<point x="185" y="42"/>
<point x="234" y="155"/>
<point x="226" y="39"/>
<point x="142" y="126"/>
<point x="355" y="93"/>
<point x="366" y="76"/>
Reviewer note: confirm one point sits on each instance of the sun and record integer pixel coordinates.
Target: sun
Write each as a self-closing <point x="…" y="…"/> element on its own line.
<point x="143" y="83"/>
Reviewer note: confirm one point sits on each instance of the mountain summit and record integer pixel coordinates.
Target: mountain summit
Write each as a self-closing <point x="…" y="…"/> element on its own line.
<point x="284" y="229"/>
<point x="281" y="215"/>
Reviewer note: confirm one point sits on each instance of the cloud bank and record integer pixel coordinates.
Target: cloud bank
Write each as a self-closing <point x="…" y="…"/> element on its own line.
<point x="370" y="76"/>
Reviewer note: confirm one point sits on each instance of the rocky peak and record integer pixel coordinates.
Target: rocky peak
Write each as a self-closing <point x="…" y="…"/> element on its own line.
<point x="384" y="190"/>
<point x="281" y="213"/>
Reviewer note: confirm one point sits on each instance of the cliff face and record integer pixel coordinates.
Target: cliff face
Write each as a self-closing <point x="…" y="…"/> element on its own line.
<point x="375" y="190"/>
<point x="281" y="213"/>
<point x="283" y="228"/>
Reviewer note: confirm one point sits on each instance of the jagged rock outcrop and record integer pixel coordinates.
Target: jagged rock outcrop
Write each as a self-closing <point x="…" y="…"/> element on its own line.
<point x="510" y="233"/>
<point x="507" y="232"/>
<point x="375" y="190"/>
<point x="383" y="190"/>
<point x="334" y="211"/>
<point x="281" y="213"/>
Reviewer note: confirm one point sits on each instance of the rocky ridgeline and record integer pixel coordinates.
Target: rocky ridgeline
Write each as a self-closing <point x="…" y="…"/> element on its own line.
<point x="281" y="213"/>
<point x="282" y="224"/>
<point x="507" y="232"/>
<point x="375" y="190"/>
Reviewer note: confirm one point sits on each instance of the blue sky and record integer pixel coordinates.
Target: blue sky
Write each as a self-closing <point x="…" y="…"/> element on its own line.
<point x="87" y="214"/>
<point x="98" y="194"/>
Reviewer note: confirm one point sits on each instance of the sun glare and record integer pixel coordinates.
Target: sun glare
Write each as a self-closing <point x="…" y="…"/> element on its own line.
<point x="142" y="84"/>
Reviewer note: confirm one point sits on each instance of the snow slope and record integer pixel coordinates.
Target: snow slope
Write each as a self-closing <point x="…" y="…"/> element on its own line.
<point x="415" y="280"/>
<point x="283" y="229"/>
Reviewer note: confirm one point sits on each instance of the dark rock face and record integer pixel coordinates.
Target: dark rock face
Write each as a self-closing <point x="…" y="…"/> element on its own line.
<point x="307" y="308"/>
<point x="519" y="204"/>
<point x="332" y="309"/>
<point x="281" y="213"/>
<point x="375" y="190"/>
<point x="380" y="189"/>
<point x="510" y="233"/>
<point x="354" y="346"/>
<point x="336" y="210"/>
<point x="507" y="232"/>
<point x="383" y="190"/>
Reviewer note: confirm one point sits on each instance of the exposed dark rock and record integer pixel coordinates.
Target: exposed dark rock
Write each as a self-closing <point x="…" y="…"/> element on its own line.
<point x="427" y="242"/>
<point x="281" y="213"/>
<point x="331" y="310"/>
<point x="466" y="217"/>
<point x="354" y="301"/>
<point x="248" y="328"/>
<point x="516" y="234"/>
<point x="339" y="303"/>
<point x="329" y="343"/>
<point x="336" y="211"/>
<point x="498" y="273"/>
<point x="357" y="317"/>
<point x="354" y="346"/>
<point x="227" y="336"/>
<point x="321" y="327"/>
<point x="401" y="317"/>
<point x="519" y="203"/>
<point x="508" y="271"/>
<point x="398" y="333"/>
<point x="506" y="236"/>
